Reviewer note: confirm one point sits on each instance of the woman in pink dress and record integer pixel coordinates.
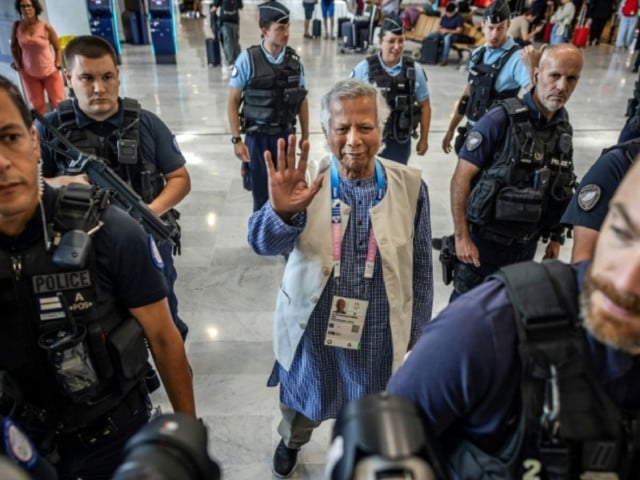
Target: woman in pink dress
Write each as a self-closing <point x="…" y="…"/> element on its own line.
<point x="37" y="55"/>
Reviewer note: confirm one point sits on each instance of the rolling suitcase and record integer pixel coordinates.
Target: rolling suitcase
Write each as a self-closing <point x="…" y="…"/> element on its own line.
<point x="316" y="28"/>
<point x="430" y="51"/>
<point x="355" y="35"/>
<point x="212" y="46"/>
<point x="581" y="36"/>
<point x="581" y="32"/>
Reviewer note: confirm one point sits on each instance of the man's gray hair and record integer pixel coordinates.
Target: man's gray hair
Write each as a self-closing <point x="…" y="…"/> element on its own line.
<point x="352" y="88"/>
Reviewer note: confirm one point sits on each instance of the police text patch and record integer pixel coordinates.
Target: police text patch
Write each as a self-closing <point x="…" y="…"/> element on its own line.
<point x="473" y="141"/>
<point x="588" y="197"/>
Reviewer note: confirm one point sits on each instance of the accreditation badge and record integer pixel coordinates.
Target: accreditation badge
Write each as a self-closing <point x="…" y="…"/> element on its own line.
<point x="346" y="322"/>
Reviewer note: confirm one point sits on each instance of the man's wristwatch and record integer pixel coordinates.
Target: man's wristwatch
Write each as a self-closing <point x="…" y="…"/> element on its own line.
<point x="235" y="140"/>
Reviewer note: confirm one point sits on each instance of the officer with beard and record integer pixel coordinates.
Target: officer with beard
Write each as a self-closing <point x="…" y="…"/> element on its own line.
<point x="547" y="394"/>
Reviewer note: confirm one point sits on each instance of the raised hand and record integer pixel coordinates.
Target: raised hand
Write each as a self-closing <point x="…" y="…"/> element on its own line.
<point x="289" y="192"/>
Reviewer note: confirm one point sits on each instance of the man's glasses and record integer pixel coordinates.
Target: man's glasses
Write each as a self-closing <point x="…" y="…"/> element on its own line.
<point x="25" y="6"/>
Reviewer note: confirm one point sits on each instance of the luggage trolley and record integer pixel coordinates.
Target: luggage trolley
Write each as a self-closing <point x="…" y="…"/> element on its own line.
<point x="356" y="33"/>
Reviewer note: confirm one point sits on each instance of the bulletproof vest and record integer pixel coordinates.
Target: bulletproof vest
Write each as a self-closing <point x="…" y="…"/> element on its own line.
<point x="572" y="427"/>
<point x="121" y="149"/>
<point x="272" y="98"/>
<point x="400" y="93"/>
<point x="229" y="11"/>
<point x="525" y="190"/>
<point x="71" y="347"/>
<point x="483" y="80"/>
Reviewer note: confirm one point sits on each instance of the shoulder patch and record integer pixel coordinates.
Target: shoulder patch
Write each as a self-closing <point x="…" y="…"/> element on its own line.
<point x="234" y="71"/>
<point x="588" y="196"/>
<point x="473" y="141"/>
<point x="176" y="147"/>
<point x="353" y="74"/>
<point x="155" y="253"/>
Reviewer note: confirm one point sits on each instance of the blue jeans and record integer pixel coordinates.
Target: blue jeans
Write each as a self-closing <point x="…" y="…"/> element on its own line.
<point x="555" y="37"/>
<point x="230" y="33"/>
<point x="493" y="257"/>
<point x="170" y="275"/>
<point x="625" y="31"/>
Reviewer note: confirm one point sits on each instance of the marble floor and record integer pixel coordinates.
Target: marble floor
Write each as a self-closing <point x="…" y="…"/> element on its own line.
<point x="226" y="292"/>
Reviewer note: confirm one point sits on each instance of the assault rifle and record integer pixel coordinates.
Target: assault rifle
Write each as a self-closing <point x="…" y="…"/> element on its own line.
<point x="122" y="194"/>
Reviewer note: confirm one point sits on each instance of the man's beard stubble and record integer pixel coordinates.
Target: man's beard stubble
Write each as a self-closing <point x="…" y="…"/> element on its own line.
<point x="621" y="334"/>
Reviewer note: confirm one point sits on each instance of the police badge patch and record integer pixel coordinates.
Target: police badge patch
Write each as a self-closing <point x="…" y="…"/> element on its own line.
<point x="588" y="197"/>
<point x="155" y="254"/>
<point x="473" y="141"/>
<point x="234" y="71"/>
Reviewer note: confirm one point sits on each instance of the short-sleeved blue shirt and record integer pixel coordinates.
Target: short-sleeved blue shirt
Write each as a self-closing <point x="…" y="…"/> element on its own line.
<point x="492" y="127"/>
<point x="513" y="74"/>
<point x="361" y="72"/>
<point x="241" y="71"/>
<point x="590" y="202"/>
<point x="157" y="143"/>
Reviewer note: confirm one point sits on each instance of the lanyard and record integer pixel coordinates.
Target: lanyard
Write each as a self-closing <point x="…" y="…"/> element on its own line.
<point x="336" y="220"/>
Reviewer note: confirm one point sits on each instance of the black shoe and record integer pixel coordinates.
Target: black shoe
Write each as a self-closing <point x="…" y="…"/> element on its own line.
<point x="285" y="460"/>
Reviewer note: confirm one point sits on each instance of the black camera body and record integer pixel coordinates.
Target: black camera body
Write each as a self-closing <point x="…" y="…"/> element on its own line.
<point x="168" y="447"/>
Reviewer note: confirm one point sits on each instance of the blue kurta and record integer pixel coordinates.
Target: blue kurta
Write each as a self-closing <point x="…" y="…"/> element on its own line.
<point x="322" y="379"/>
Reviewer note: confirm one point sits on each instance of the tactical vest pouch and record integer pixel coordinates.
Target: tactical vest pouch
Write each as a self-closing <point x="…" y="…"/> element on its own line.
<point x="70" y="360"/>
<point x="480" y="205"/>
<point x="129" y="350"/>
<point x="519" y="205"/>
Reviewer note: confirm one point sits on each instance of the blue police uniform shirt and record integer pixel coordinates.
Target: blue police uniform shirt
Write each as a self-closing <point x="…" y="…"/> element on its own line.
<point x="464" y="371"/>
<point x="590" y="202"/>
<point x="361" y="72"/>
<point x="241" y="71"/>
<point x="158" y="145"/>
<point x="513" y="74"/>
<point x="493" y="125"/>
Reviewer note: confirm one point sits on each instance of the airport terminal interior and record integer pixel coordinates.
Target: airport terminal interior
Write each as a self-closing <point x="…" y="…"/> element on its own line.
<point x="227" y="293"/>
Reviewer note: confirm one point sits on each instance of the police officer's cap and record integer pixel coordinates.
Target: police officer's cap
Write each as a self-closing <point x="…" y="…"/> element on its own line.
<point x="497" y="12"/>
<point x="273" y="12"/>
<point x="393" y="24"/>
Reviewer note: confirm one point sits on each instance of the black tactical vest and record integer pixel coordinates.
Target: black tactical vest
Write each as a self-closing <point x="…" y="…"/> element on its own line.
<point x="573" y="430"/>
<point x="482" y="80"/>
<point x="272" y="98"/>
<point x="71" y="347"/>
<point x="121" y="150"/>
<point x="400" y="93"/>
<point x="525" y="190"/>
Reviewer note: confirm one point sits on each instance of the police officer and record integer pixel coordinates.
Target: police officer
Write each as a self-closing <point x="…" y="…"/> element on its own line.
<point x="514" y="176"/>
<point x="75" y="318"/>
<point x="268" y="81"/>
<point x="405" y="88"/>
<point x="552" y="396"/>
<point x="496" y="71"/>
<point x="135" y="142"/>
<point x="590" y="203"/>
